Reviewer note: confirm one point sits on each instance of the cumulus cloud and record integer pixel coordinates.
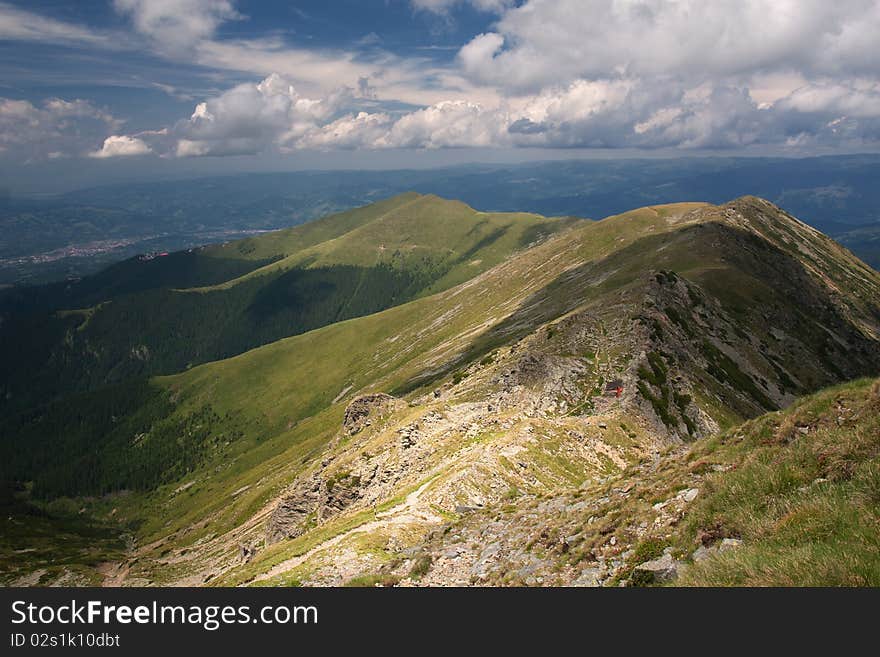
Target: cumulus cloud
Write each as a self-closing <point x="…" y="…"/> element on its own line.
<point x="251" y="118"/>
<point x="546" y="42"/>
<point x="546" y="73"/>
<point x="121" y="146"/>
<point x="361" y="130"/>
<point x="56" y="128"/>
<point x="684" y="73"/>
<point x="273" y="115"/>
<point x="611" y="113"/>
<point x="448" y="124"/>
<point x="593" y="74"/>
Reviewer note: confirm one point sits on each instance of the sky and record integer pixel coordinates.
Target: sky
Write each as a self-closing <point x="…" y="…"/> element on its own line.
<point x="94" y="90"/>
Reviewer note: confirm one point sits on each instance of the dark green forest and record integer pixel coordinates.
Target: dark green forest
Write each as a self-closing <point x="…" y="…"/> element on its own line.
<point x="119" y="438"/>
<point x="160" y="330"/>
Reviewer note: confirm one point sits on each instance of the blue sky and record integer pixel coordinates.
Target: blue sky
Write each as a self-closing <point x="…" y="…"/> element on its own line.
<point x="116" y="88"/>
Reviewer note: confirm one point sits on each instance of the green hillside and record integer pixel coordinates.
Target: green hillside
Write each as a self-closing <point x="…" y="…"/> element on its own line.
<point x="706" y="315"/>
<point x="165" y="314"/>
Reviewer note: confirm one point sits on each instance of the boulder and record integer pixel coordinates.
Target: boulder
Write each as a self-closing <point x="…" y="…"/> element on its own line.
<point x="729" y="544"/>
<point x="657" y="571"/>
<point x="701" y="553"/>
<point x="690" y="494"/>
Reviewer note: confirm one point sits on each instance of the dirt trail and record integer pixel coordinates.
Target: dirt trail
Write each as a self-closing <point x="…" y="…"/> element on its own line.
<point x="407" y="512"/>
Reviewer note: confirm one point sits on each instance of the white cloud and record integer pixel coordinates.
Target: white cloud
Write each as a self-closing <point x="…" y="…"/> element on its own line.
<point x="547" y="42"/>
<point x="185" y="30"/>
<point x="416" y="81"/>
<point x="856" y="100"/>
<point x="21" y="25"/>
<point x="563" y="72"/>
<point x="318" y="70"/>
<point x="56" y="128"/>
<point x="610" y="113"/>
<point x="274" y="116"/>
<point x="189" y="148"/>
<point x="121" y="146"/>
<point x="251" y="118"/>
<point x="362" y="130"/>
<point x="177" y="25"/>
<point x="443" y="6"/>
<point x="449" y="124"/>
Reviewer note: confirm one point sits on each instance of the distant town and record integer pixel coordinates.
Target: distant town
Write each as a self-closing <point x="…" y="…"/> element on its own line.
<point x="76" y="260"/>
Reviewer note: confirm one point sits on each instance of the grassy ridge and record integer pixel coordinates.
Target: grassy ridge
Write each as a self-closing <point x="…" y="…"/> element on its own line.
<point x="158" y="316"/>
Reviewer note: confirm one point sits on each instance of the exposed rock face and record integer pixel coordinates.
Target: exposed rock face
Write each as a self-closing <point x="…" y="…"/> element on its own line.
<point x="313" y="500"/>
<point x="289" y="517"/>
<point x="361" y="409"/>
<point x="317" y="497"/>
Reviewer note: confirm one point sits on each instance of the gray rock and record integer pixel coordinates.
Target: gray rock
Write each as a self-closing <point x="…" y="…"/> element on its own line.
<point x="288" y="517"/>
<point x="246" y="552"/>
<point x="690" y="494"/>
<point x="664" y="569"/>
<point x="490" y="550"/>
<point x="589" y="577"/>
<point x="701" y="553"/>
<point x="729" y="544"/>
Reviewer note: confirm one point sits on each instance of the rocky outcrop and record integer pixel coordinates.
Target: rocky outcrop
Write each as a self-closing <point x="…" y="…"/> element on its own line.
<point x="363" y="409"/>
<point x="289" y="519"/>
<point x="311" y="502"/>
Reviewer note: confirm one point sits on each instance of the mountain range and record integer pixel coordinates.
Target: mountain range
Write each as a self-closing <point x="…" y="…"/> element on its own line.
<point x="79" y="232"/>
<point x="417" y="392"/>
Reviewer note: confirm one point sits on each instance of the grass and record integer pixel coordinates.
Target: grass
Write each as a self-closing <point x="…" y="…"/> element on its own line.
<point x="646" y="550"/>
<point x="805" y="504"/>
<point x="167" y="315"/>
<point x="262" y="386"/>
<point x="420" y="566"/>
<point x="53" y="541"/>
<point x="725" y="370"/>
<point x="377" y="579"/>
